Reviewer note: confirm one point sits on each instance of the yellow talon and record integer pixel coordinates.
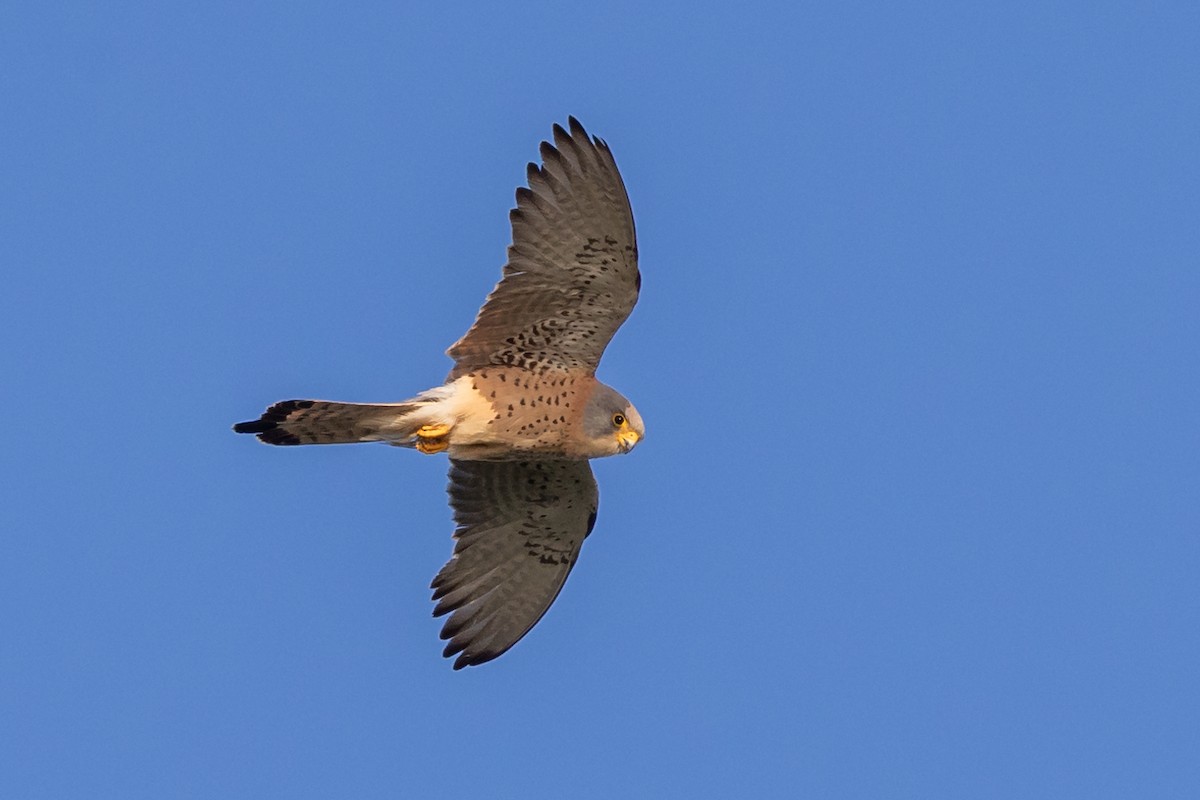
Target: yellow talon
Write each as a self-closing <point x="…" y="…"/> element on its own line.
<point x="432" y="431"/>
<point x="431" y="446"/>
<point x="432" y="439"/>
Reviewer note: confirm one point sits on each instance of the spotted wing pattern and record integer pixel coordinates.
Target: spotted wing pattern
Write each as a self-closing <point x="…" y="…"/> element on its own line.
<point x="572" y="275"/>
<point x="520" y="528"/>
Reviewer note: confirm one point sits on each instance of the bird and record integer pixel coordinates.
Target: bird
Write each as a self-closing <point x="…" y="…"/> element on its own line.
<point x="521" y="413"/>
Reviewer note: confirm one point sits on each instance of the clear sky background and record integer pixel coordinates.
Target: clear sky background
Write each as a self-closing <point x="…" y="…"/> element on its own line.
<point x="917" y="349"/>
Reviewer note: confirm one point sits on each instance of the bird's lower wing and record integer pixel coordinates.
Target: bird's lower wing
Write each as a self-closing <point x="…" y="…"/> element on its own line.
<point x="520" y="528"/>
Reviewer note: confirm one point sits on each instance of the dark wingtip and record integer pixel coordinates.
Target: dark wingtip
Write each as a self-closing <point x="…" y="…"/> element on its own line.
<point x="253" y="426"/>
<point x="465" y="660"/>
<point x="443" y="608"/>
<point x="440" y="590"/>
<point x="461" y="648"/>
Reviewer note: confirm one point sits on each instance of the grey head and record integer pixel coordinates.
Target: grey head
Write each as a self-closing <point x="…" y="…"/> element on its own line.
<point x="611" y="424"/>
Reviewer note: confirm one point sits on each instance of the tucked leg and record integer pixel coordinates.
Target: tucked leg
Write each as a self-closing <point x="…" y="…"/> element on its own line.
<point x="433" y="439"/>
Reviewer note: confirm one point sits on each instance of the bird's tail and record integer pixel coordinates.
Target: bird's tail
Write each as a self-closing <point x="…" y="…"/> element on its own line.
<point x="322" y="422"/>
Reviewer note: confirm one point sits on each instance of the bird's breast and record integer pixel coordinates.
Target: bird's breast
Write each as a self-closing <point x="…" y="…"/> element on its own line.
<point x="511" y="413"/>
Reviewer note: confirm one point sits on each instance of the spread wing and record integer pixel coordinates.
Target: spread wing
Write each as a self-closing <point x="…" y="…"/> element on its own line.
<point x="572" y="275"/>
<point x="520" y="527"/>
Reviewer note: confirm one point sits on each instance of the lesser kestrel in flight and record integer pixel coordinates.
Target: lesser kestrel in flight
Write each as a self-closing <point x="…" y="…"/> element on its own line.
<point x="521" y="412"/>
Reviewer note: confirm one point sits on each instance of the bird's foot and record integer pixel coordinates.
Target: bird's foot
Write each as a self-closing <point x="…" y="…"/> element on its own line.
<point x="432" y="439"/>
<point x="431" y="446"/>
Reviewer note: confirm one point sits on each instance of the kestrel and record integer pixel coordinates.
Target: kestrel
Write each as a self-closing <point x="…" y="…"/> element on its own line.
<point x="521" y="412"/>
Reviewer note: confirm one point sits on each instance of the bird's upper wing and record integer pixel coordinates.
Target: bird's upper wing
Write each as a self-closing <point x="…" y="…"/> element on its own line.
<point x="520" y="527"/>
<point x="572" y="275"/>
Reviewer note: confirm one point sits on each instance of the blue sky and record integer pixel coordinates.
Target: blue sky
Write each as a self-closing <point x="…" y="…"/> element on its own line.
<point x="917" y="514"/>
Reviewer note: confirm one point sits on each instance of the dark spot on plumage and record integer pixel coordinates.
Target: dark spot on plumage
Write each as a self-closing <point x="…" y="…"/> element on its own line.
<point x="591" y="521"/>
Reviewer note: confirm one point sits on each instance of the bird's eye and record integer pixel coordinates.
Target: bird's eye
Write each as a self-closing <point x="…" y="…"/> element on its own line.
<point x="618" y="420"/>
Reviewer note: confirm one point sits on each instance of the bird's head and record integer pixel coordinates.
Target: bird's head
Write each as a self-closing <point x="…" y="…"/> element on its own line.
<point x="611" y="424"/>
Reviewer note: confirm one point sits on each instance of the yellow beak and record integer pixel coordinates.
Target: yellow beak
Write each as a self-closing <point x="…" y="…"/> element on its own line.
<point x="627" y="438"/>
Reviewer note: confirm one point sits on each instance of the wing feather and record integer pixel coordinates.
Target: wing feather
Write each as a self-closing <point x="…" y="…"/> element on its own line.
<point x="572" y="275"/>
<point x="520" y="529"/>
